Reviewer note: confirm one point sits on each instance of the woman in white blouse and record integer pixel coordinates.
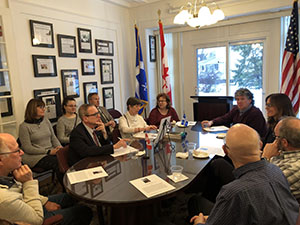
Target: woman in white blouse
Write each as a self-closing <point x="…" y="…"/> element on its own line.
<point x="131" y="122"/>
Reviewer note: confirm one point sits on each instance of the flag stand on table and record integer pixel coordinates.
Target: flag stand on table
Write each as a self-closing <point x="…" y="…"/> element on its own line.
<point x="290" y="73"/>
<point x="166" y="87"/>
<point x="141" y="80"/>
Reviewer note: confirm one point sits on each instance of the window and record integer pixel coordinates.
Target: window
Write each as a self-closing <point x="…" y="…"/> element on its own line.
<point x="245" y="69"/>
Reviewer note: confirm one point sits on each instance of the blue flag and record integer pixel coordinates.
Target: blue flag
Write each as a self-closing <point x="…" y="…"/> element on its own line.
<point x="141" y="80"/>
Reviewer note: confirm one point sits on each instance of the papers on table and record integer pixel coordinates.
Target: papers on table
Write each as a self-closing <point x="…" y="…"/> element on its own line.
<point x="123" y="151"/>
<point x="190" y="123"/>
<point x="152" y="185"/>
<point x="178" y="179"/>
<point x="215" y="128"/>
<point x="141" y="135"/>
<point x="212" y="150"/>
<point x="87" y="174"/>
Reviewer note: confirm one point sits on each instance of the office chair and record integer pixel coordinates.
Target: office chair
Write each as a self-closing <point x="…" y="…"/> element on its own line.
<point x="114" y="113"/>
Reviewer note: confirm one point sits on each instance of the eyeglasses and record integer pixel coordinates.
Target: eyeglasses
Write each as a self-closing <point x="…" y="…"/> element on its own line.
<point x="269" y="105"/>
<point x="226" y="146"/>
<point x="18" y="151"/>
<point x="71" y="105"/>
<point x="162" y="101"/>
<point x="41" y="107"/>
<point x="276" y="137"/>
<point x="94" y="114"/>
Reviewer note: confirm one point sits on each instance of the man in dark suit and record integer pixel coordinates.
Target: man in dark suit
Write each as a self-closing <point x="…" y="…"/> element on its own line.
<point x="90" y="138"/>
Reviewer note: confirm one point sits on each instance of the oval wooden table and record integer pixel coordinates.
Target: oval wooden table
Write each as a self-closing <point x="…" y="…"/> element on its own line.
<point x="127" y="205"/>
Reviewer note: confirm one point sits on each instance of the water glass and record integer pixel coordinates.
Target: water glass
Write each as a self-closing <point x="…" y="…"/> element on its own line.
<point x="176" y="172"/>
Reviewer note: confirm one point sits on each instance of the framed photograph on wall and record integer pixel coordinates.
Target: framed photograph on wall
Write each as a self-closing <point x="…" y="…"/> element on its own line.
<point x="152" y="48"/>
<point x="44" y="65"/>
<point x="66" y="46"/>
<point x="51" y="97"/>
<point x="88" y="66"/>
<point x="70" y="83"/>
<point x="106" y="71"/>
<point x="41" y="34"/>
<point x="104" y="47"/>
<point x="84" y="40"/>
<point x="108" y="97"/>
<point x="89" y="87"/>
<point x="5" y="104"/>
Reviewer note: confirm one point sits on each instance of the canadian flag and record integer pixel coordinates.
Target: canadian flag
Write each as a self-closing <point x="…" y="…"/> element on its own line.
<point x="148" y="142"/>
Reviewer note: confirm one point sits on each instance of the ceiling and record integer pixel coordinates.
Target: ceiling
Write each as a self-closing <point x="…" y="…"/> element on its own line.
<point x="131" y="3"/>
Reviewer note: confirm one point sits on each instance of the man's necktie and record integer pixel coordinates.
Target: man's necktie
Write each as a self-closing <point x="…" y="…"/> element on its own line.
<point x="96" y="140"/>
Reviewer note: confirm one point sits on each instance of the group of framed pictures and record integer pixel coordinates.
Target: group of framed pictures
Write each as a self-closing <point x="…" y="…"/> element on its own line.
<point x="42" y="35"/>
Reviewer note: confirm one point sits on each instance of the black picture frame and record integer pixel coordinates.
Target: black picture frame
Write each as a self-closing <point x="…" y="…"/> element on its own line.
<point x="44" y="65"/>
<point x="70" y="83"/>
<point x="84" y="40"/>
<point x="152" y="48"/>
<point x="108" y="97"/>
<point x="107" y="71"/>
<point x="51" y="97"/>
<point x="89" y="87"/>
<point x="66" y="46"/>
<point x="88" y="66"/>
<point x="104" y="47"/>
<point x="6" y="104"/>
<point x="41" y="34"/>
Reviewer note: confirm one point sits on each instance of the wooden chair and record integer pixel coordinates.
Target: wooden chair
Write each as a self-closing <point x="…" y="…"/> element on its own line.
<point x="62" y="158"/>
<point x="114" y="113"/>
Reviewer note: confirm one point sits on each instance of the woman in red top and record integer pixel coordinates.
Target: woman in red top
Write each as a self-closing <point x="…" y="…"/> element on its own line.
<point x="163" y="109"/>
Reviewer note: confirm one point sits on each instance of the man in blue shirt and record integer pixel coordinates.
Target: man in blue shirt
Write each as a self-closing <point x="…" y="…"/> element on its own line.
<point x="260" y="193"/>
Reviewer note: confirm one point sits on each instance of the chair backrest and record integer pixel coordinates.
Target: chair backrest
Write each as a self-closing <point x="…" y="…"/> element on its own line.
<point x="114" y="113"/>
<point x="62" y="158"/>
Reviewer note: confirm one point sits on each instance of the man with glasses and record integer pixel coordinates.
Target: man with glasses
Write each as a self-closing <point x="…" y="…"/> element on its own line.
<point x="90" y="137"/>
<point x="259" y="194"/>
<point x="285" y="151"/>
<point x="19" y="192"/>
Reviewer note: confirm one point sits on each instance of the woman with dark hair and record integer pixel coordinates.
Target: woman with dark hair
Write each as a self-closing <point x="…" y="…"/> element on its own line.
<point x="163" y="109"/>
<point x="277" y="106"/>
<point x="68" y="121"/>
<point x="131" y="122"/>
<point x="38" y="140"/>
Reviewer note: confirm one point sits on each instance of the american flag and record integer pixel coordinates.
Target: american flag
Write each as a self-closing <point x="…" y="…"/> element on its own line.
<point x="164" y="61"/>
<point x="290" y="63"/>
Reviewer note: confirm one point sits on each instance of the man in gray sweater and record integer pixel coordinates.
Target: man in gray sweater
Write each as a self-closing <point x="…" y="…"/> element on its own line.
<point x="19" y="194"/>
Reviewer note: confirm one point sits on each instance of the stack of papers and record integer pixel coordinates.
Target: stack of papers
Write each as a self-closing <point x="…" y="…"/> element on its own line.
<point x="152" y="185"/>
<point x="87" y="174"/>
<point x="123" y="151"/>
<point x="215" y="128"/>
<point x="141" y="135"/>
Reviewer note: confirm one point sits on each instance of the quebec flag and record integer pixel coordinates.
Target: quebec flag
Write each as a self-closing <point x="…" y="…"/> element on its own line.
<point x="141" y="80"/>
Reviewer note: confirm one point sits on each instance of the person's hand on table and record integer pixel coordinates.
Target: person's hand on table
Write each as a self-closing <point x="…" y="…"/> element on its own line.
<point x="151" y="127"/>
<point x="52" y="206"/>
<point x="206" y="123"/>
<point x="121" y="143"/>
<point x="198" y="219"/>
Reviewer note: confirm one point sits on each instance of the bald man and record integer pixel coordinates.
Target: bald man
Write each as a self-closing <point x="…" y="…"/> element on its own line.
<point x="285" y="151"/>
<point x="19" y="194"/>
<point x="259" y="194"/>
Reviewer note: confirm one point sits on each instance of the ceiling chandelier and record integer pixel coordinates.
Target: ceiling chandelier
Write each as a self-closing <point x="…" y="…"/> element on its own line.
<point x="189" y="14"/>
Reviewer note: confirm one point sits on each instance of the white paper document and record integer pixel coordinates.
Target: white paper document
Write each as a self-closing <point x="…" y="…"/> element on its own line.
<point x="152" y="185"/>
<point x="123" y="151"/>
<point x="190" y="123"/>
<point x="216" y="128"/>
<point x="141" y="135"/>
<point x="87" y="174"/>
<point x="212" y="150"/>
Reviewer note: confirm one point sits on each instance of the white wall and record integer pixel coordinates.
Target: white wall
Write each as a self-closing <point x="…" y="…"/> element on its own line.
<point x="107" y="21"/>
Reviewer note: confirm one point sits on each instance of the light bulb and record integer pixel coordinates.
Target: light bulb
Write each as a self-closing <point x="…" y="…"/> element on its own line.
<point x="218" y="14"/>
<point x="182" y="17"/>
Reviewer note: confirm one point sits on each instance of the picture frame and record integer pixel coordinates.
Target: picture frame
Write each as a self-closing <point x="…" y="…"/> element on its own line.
<point x="4" y="82"/>
<point x="108" y="97"/>
<point x="88" y="66"/>
<point x="51" y="97"/>
<point x="66" y="46"/>
<point x="84" y="40"/>
<point x="89" y="87"/>
<point x="107" y="71"/>
<point x="152" y="48"/>
<point x="81" y="188"/>
<point x="96" y="189"/>
<point x="5" y="104"/>
<point x="113" y="169"/>
<point x="70" y="83"/>
<point x="41" y="34"/>
<point x="104" y="47"/>
<point x="44" y="65"/>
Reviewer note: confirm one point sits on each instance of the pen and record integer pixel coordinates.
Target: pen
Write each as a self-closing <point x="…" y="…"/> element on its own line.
<point x="128" y="143"/>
